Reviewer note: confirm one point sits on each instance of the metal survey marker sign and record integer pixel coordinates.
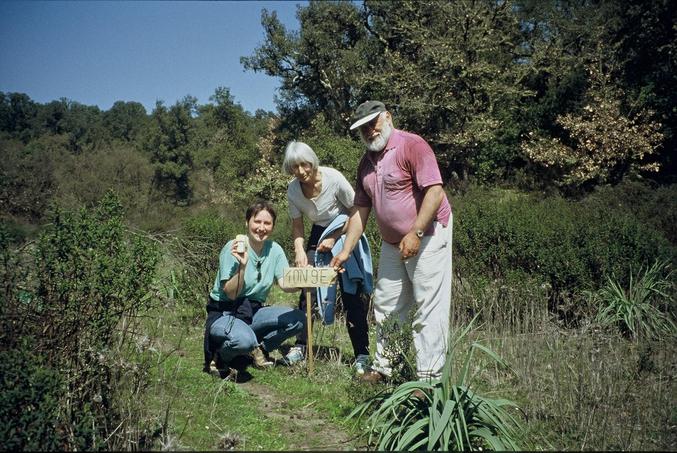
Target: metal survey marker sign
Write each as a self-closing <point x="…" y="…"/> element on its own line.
<point x="308" y="277"/>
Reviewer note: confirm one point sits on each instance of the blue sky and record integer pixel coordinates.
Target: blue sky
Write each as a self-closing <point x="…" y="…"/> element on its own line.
<point x="100" y="52"/>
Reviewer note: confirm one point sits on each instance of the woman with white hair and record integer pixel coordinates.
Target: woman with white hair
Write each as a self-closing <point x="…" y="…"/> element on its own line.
<point x="321" y="194"/>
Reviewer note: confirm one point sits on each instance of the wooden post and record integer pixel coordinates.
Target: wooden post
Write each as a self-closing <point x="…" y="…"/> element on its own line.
<point x="308" y="277"/>
<point x="309" y="326"/>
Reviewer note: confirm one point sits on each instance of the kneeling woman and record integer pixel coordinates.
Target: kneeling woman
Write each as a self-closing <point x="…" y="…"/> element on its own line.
<point x="238" y="322"/>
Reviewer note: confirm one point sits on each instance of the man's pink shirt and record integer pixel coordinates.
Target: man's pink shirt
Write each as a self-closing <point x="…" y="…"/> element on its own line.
<point x="391" y="183"/>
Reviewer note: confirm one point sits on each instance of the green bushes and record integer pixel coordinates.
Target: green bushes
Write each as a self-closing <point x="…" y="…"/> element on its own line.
<point x="399" y="348"/>
<point x="567" y="246"/>
<point x="29" y="402"/>
<point x="214" y="229"/>
<point x="75" y="303"/>
<point x="655" y="206"/>
<point x="193" y="257"/>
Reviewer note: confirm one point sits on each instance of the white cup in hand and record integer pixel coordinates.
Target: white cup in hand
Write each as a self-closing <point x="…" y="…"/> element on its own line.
<point x="241" y="243"/>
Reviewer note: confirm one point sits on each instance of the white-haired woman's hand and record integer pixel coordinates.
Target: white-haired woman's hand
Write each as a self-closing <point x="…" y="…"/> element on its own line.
<point x="326" y="245"/>
<point x="301" y="259"/>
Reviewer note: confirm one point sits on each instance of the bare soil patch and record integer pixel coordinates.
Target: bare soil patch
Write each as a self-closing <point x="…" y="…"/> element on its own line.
<point x="307" y="431"/>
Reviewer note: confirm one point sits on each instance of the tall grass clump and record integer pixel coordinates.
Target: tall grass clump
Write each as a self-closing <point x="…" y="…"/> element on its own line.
<point x="75" y="365"/>
<point x="635" y="309"/>
<point x="518" y="306"/>
<point x="442" y="414"/>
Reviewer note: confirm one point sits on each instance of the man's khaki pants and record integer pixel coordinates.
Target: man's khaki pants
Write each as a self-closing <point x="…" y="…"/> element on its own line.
<point x="423" y="284"/>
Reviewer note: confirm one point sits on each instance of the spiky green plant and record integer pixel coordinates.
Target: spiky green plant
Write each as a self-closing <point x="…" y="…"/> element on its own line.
<point x="442" y="414"/>
<point x="634" y="310"/>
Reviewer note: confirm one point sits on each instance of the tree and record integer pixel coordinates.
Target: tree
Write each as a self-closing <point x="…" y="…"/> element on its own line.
<point x="83" y="126"/>
<point x="17" y="115"/>
<point x="600" y="143"/>
<point x="449" y="71"/>
<point x="167" y="143"/>
<point x="603" y="73"/>
<point x="320" y="67"/>
<point x="446" y="69"/>
<point x="472" y="76"/>
<point x="125" y="120"/>
<point x="641" y="36"/>
<point x="227" y="137"/>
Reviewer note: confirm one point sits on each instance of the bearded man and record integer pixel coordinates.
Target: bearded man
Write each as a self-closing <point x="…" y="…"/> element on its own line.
<point x="399" y="178"/>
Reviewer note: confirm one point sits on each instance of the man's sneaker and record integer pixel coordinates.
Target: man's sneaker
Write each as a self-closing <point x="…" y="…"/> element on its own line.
<point x="372" y="377"/>
<point x="361" y="364"/>
<point x="295" y="355"/>
<point x="419" y="395"/>
<point x="260" y="358"/>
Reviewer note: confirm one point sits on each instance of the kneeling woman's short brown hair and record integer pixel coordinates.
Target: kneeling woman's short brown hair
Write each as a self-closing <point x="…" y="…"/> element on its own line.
<point x="259" y="206"/>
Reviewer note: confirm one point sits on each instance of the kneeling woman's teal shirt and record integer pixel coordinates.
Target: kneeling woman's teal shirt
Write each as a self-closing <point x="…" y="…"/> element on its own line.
<point x="259" y="275"/>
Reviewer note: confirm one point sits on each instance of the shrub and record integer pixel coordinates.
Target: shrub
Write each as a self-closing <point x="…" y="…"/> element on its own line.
<point x="443" y="414"/>
<point x="566" y="245"/>
<point x="654" y="206"/>
<point x="214" y="229"/>
<point x="29" y="402"/>
<point x="119" y="168"/>
<point x="399" y="348"/>
<point x="193" y="257"/>
<point x="76" y="301"/>
<point x="27" y="180"/>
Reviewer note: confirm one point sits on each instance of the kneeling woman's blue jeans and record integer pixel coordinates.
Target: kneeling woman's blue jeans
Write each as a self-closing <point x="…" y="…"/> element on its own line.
<point x="270" y="327"/>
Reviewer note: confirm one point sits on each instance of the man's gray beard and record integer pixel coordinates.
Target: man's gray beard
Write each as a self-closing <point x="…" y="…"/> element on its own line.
<point x="379" y="142"/>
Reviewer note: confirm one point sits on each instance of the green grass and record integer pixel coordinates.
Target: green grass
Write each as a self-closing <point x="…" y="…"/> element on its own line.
<point x="201" y="409"/>
<point x="592" y="391"/>
<point x="579" y="388"/>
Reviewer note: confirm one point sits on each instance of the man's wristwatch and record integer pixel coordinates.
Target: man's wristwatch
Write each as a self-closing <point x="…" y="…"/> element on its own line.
<point x="419" y="233"/>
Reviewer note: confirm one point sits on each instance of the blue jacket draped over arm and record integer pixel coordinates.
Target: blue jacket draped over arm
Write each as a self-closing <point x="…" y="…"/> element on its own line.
<point x="358" y="274"/>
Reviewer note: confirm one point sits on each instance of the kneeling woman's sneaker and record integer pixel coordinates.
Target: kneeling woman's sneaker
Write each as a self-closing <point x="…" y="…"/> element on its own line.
<point x="227" y="373"/>
<point x="260" y="358"/>
<point x="295" y="355"/>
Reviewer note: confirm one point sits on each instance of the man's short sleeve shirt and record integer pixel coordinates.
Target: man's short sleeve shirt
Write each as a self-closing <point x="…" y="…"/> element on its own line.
<point x="392" y="182"/>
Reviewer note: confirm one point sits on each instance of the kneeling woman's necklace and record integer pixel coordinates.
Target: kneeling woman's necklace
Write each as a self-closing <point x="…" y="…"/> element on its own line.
<point x="258" y="262"/>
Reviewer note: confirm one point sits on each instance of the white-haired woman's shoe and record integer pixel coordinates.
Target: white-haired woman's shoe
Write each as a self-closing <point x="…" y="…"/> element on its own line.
<point x="361" y="364"/>
<point x="294" y="356"/>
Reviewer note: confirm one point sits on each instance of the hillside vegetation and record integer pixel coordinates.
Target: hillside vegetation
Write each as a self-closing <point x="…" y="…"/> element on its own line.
<point x="554" y="126"/>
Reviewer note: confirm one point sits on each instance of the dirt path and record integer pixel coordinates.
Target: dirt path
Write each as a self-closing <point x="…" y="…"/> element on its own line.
<point x="307" y="430"/>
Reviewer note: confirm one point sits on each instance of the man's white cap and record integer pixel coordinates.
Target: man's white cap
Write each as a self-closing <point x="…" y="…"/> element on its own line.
<point x="366" y="112"/>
